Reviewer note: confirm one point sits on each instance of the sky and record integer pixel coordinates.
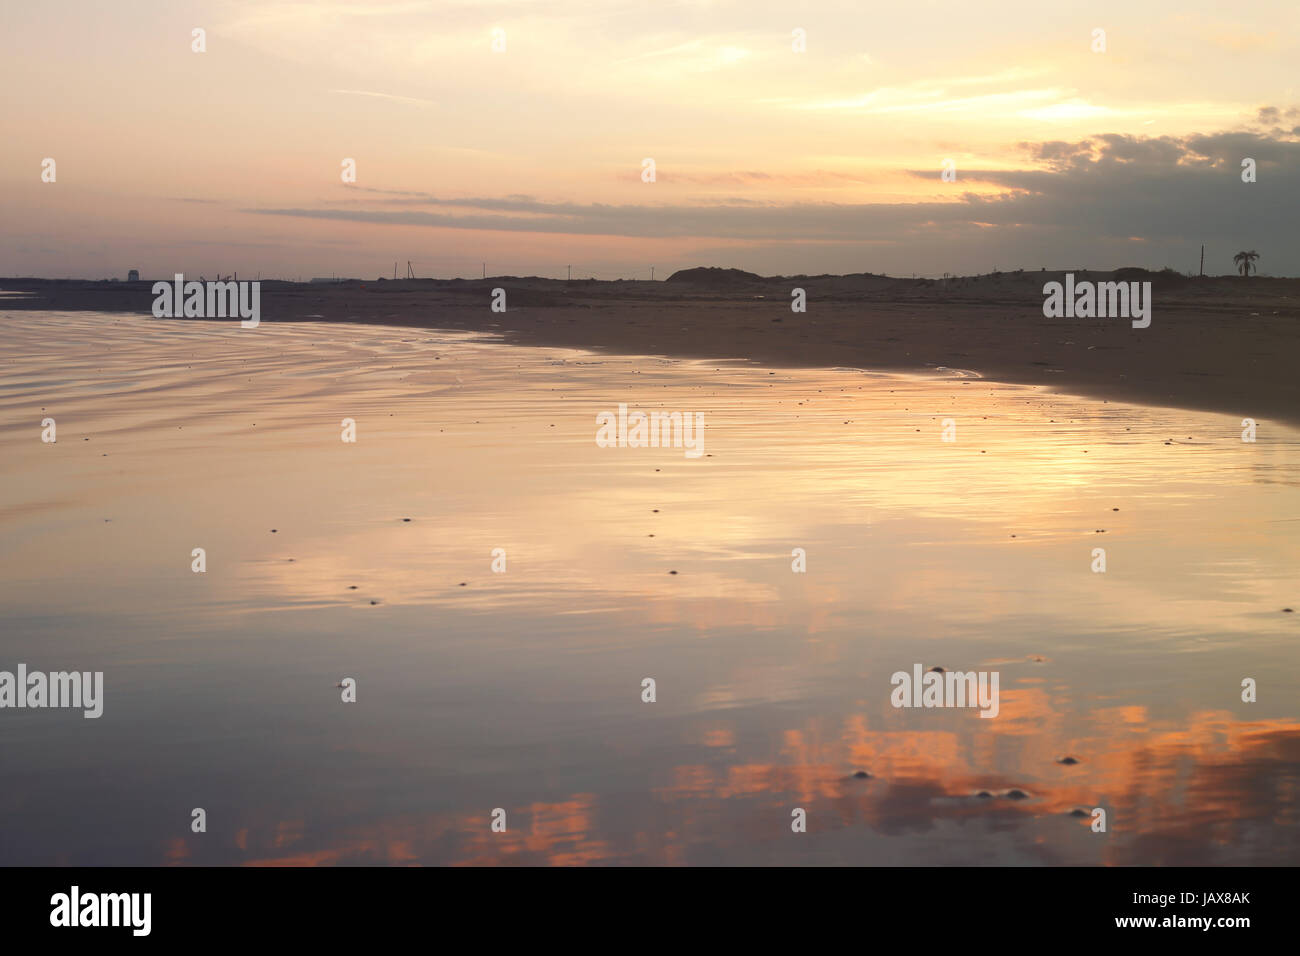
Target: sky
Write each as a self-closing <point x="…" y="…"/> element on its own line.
<point x="511" y="137"/>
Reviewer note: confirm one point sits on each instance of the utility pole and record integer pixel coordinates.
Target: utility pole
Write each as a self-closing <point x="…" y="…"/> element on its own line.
<point x="652" y="273"/>
<point x="485" y="270"/>
<point x="1202" y="260"/>
<point x="570" y="268"/>
<point x="410" y="273"/>
<point x="394" y="270"/>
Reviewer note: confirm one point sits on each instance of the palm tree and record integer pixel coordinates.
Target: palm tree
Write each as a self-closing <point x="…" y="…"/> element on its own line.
<point x="1246" y="261"/>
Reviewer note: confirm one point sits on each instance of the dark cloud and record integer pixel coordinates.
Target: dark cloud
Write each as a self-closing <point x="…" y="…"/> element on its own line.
<point x="1169" y="192"/>
<point x="1058" y="153"/>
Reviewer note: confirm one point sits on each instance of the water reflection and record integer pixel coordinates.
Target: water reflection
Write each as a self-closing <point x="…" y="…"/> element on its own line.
<point x="521" y="690"/>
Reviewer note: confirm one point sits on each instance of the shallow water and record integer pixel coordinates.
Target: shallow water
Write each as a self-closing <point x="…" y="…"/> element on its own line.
<point x="522" y="690"/>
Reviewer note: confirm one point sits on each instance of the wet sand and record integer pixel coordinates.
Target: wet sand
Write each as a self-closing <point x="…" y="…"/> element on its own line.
<point x="521" y="689"/>
<point x="1217" y="344"/>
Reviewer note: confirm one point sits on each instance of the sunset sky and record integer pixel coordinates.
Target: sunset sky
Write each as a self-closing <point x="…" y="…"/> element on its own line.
<point x="530" y="159"/>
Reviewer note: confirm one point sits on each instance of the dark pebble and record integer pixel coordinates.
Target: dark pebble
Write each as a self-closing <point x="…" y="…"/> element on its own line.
<point x="1068" y="761"/>
<point x="862" y="775"/>
<point x="1017" y="795"/>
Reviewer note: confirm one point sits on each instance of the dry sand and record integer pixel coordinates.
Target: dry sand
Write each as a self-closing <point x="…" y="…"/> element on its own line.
<point x="1222" y="344"/>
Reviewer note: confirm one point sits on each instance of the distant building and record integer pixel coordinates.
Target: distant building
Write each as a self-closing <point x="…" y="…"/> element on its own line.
<point x="133" y="275"/>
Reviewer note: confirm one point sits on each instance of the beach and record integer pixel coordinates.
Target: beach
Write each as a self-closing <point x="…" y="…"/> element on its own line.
<point x="240" y="528"/>
<point x="1224" y="344"/>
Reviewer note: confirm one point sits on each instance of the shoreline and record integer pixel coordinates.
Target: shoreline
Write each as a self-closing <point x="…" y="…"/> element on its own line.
<point x="1221" y="345"/>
